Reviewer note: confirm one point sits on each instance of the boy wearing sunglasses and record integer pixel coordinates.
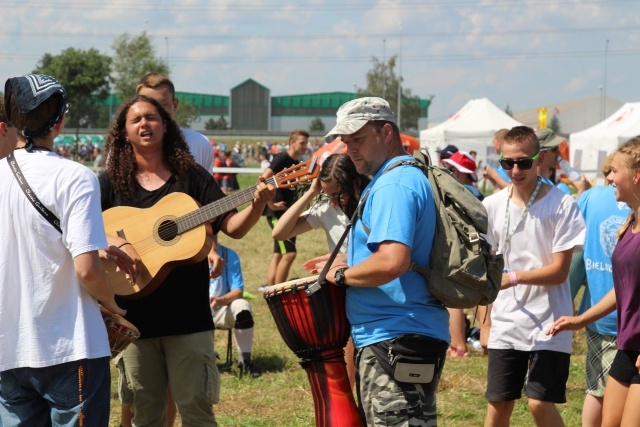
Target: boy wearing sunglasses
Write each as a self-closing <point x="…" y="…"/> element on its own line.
<point x="536" y="227"/>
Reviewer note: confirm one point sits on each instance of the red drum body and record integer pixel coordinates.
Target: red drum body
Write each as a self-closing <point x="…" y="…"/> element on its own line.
<point x="314" y="325"/>
<point x="121" y="332"/>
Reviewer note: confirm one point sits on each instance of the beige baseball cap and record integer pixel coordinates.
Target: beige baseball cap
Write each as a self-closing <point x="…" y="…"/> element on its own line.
<point x="353" y="115"/>
<point x="548" y="139"/>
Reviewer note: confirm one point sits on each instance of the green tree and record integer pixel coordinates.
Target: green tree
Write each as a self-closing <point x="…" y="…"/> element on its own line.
<point x="316" y="125"/>
<point x="213" y="124"/>
<point x="554" y="124"/>
<point x="85" y="76"/>
<point x="186" y="114"/>
<point x="210" y="124"/>
<point x="222" y="123"/>
<point x="134" y="57"/>
<point x="383" y="82"/>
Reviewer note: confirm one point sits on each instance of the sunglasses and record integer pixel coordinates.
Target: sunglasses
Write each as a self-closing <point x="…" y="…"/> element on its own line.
<point x="523" y="164"/>
<point x="336" y="197"/>
<point x="67" y="107"/>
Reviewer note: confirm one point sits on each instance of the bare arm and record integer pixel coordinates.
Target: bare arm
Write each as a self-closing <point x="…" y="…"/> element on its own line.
<point x="390" y="261"/>
<point x="496" y="180"/>
<point x="605" y="306"/>
<point x="292" y="223"/>
<point x="93" y="278"/>
<point x="238" y="224"/>
<point x="483" y="314"/>
<point x="553" y="274"/>
<point x="225" y="299"/>
<point x="216" y="262"/>
<point x="582" y="185"/>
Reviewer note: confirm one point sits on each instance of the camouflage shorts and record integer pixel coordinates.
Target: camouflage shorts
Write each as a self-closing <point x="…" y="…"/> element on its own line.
<point x="385" y="402"/>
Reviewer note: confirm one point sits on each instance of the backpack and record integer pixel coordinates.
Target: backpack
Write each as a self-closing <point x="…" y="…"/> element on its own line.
<point x="462" y="272"/>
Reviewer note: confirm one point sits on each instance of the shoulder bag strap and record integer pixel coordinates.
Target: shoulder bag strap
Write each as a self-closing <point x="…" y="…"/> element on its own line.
<point x="323" y="274"/>
<point x="31" y="196"/>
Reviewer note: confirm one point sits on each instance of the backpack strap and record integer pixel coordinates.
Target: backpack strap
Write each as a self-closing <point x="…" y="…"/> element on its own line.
<point x="412" y="162"/>
<point x="415" y="163"/>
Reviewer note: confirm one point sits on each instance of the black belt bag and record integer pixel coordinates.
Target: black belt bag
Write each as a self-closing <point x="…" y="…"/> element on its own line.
<point x="411" y="359"/>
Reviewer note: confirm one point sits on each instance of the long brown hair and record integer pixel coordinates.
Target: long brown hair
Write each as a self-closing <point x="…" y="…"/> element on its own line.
<point x="632" y="161"/>
<point x="121" y="160"/>
<point x="340" y="168"/>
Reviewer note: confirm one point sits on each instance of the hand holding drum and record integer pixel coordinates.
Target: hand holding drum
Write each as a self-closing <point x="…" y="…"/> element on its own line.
<point x="120" y="331"/>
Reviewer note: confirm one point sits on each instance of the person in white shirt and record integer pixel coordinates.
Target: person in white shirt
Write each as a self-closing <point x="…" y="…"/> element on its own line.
<point x="536" y="227"/>
<point x="53" y="336"/>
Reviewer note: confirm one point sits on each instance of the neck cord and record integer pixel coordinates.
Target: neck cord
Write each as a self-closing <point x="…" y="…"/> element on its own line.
<point x="509" y="233"/>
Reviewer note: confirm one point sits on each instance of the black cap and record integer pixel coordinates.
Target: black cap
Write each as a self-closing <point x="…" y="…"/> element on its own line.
<point x="447" y="151"/>
<point x="28" y="93"/>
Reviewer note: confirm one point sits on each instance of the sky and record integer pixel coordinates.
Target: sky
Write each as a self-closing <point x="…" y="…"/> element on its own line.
<point x="521" y="53"/>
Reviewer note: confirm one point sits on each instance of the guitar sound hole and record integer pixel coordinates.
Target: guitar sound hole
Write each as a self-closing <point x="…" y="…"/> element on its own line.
<point x="168" y="230"/>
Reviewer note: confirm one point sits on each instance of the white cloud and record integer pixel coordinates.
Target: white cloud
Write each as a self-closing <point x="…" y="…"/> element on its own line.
<point x="574" y="85"/>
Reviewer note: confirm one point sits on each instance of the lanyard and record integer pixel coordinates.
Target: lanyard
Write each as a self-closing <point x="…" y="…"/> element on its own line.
<point x="509" y="234"/>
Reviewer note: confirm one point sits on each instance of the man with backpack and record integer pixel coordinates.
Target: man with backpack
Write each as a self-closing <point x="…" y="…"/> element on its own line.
<point x="536" y="227"/>
<point x="400" y="330"/>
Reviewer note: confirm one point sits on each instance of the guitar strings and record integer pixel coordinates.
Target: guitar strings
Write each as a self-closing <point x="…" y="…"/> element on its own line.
<point x="186" y="222"/>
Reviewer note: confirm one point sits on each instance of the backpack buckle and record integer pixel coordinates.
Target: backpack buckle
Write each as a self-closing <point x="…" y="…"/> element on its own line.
<point x="474" y="237"/>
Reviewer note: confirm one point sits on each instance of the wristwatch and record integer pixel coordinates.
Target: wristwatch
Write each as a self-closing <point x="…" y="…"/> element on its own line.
<point x="339" y="277"/>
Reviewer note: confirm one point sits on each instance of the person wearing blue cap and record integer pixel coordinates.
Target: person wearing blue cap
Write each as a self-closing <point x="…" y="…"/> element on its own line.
<point x="446" y="152"/>
<point x="54" y="350"/>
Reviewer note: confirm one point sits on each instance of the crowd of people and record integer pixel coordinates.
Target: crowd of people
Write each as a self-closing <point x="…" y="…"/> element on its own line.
<point x="54" y="279"/>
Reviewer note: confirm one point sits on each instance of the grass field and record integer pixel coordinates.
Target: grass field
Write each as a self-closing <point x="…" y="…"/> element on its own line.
<point x="282" y="396"/>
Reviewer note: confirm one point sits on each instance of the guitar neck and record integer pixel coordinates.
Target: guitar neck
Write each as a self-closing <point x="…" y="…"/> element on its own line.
<point x="213" y="210"/>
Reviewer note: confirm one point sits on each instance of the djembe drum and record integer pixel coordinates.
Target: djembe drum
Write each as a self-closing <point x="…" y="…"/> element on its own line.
<point x="121" y="332"/>
<point x="312" y="321"/>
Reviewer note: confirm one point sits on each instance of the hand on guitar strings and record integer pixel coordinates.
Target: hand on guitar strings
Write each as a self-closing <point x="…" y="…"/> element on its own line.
<point x="125" y="257"/>
<point x="263" y="193"/>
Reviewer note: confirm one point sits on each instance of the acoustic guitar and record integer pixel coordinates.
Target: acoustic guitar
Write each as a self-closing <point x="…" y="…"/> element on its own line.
<point x="177" y="230"/>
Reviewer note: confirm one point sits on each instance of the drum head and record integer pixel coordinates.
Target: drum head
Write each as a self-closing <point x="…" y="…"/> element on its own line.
<point x="290" y="286"/>
<point x="119" y="320"/>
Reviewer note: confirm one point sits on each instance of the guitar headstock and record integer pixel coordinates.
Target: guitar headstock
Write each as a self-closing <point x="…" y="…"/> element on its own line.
<point x="296" y="174"/>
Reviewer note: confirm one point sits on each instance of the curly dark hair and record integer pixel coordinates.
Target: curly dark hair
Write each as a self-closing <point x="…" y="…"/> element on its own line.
<point x="340" y="168"/>
<point x="121" y="162"/>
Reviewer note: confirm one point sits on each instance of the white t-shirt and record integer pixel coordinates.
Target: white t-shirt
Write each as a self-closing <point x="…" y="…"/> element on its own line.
<point x="200" y="148"/>
<point x="331" y="219"/>
<point x="46" y="316"/>
<point x="521" y="315"/>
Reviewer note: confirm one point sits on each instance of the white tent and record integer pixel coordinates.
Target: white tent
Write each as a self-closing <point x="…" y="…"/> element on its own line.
<point x="589" y="148"/>
<point x="471" y="128"/>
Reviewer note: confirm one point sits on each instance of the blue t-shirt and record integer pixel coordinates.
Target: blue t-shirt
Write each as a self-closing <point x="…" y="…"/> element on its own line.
<point x="474" y="191"/>
<point x="603" y="216"/>
<point x="399" y="208"/>
<point x="503" y="173"/>
<point x="561" y="185"/>
<point x="231" y="277"/>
